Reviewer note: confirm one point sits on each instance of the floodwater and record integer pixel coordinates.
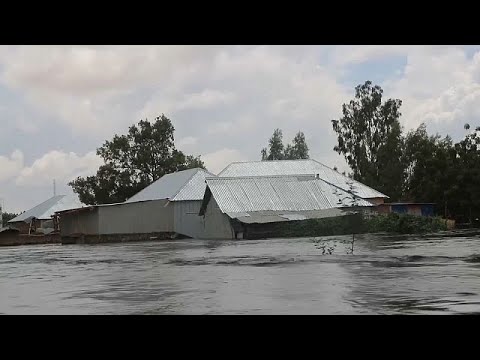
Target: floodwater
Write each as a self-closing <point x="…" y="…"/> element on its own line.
<point x="384" y="275"/>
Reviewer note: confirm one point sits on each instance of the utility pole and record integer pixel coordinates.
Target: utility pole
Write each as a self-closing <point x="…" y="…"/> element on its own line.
<point x="54" y="188"/>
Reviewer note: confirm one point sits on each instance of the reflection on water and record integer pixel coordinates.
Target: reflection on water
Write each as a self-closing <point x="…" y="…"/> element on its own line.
<point x="281" y="276"/>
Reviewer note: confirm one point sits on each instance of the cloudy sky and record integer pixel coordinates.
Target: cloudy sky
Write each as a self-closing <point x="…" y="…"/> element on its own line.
<point x="59" y="103"/>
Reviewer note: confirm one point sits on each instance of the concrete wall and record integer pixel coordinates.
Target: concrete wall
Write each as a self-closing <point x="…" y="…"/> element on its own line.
<point x="216" y="224"/>
<point x="82" y="222"/>
<point x="187" y="220"/>
<point x="136" y="218"/>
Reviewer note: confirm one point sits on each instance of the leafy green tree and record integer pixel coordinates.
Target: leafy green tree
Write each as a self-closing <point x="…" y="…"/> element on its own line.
<point x="6" y="217"/>
<point x="369" y="136"/>
<point x="133" y="161"/>
<point x="277" y="151"/>
<point x="429" y="162"/>
<point x="464" y="192"/>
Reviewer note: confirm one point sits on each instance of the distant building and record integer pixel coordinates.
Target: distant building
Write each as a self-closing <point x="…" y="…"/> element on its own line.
<point x="8" y="235"/>
<point x="420" y="209"/>
<point x="39" y="218"/>
<point x="297" y="167"/>
<point x="169" y="207"/>
<point x="234" y="206"/>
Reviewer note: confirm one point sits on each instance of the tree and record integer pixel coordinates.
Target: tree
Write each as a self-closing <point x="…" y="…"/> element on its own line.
<point x="350" y="202"/>
<point x="429" y="161"/>
<point x="275" y="147"/>
<point x="298" y="149"/>
<point x="464" y="192"/>
<point x="369" y="136"/>
<point x="6" y="217"/>
<point x="133" y="161"/>
<point x="277" y="151"/>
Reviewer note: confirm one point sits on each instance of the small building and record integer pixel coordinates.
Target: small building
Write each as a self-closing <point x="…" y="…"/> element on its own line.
<point x="8" y="235"/>
<point x="420" y="209"/>
<point x="235" y="207"/>
<point x="39" y="218"/>
<point x="307" y="166"/>
<point x="167" y="208"/>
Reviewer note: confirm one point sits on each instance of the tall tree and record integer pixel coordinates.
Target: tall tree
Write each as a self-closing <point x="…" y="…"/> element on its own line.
<point x="133" y="161"/>
<point x="298" y="149"/>
<point x="428" y="167"/>
<point x="369" y="136"/>
<point x="277" y="151"/>
<point x="275" y="147"/>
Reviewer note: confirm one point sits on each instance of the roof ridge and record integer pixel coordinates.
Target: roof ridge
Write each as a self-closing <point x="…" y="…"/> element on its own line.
<point x="258" y="176"/>
<point x="259" y="161"/>
<point x="186" y="182"/>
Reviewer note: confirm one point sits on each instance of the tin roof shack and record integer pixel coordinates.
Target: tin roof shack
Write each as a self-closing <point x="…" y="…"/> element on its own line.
<point x="245" y="207"/>
<point x="39" y="218"/>
<point x="420" y="209"/>
<point x="167" y="208"/>
<point x="296" y="167"/>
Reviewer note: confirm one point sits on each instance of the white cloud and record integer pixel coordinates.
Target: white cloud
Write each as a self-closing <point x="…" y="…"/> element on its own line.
<point x="186" y="141"/>
<point x="218" y="160"/>
<point x="206" y="99"/>
<point x="438" y="85"/>
<point x="11" y="165"/>
<point x="60" y="166"/>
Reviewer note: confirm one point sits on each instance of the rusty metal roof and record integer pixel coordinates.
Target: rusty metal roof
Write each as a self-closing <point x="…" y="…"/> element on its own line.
<point x="293" y="167"/>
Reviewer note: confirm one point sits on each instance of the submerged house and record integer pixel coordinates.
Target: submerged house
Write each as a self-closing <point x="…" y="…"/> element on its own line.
<point x="307" y="166"/>
<point x="39" y="218"/>
<point x="238" y="207"/>
<point x="167" y="208"/>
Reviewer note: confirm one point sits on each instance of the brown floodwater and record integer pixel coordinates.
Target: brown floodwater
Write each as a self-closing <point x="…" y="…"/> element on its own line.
<point x="384" y="275"/>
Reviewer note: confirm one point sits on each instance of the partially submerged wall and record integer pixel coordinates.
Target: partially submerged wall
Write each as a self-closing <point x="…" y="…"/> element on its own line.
<point x="216" y="224"/>
<point x="136" y="218"/>
<point x="79" y="222"/>
<point x="115" y="238"/>
<point x="187" y="220"/>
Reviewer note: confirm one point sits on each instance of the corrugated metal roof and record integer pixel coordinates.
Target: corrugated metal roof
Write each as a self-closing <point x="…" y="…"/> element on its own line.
<point x="291" y="167"/>
<point x="182" y="185"/>
<point x="276" y="193"/>
<point x="45" y="210"/>
<point x="194" y="189"/>
<point x="262" y="217"/>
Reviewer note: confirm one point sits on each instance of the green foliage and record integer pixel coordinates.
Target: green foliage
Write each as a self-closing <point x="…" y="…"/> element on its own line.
<point x="369" y="137"/>
<point x="439" y="171"/>
<point x="277" y="151"/>
<point x="133" y="161"/>
<point x="342" y="225"/>
<point x="353" y="223"/>
<point x="6" y="217"/>
<point x="415" y="166"/>
<point x="404" y="224"/>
